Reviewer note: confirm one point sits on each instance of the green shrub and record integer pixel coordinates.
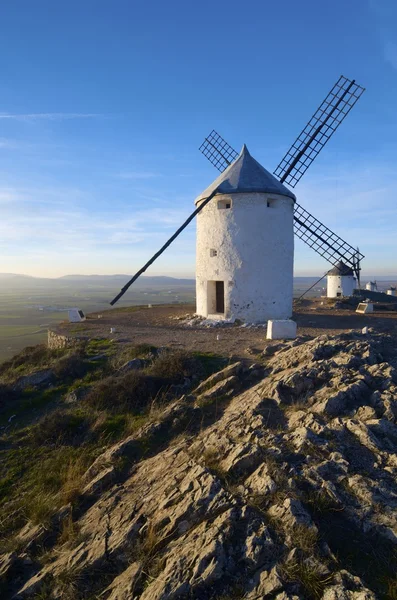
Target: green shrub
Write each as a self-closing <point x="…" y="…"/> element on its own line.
<point x="71" y="366"/>
<point x="176" y="366"/>
<point x="134" y="392"/>
<point x="59" y="427"/>
<point x="129" y="352"/>
<point x="32" y="355"/>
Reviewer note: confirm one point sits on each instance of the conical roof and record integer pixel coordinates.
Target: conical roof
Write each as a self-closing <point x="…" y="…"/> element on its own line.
<point x="341" y="269"/>
<point x="244" y="175"/>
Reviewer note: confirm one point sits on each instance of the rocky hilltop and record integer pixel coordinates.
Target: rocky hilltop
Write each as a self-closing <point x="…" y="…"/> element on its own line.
<point x="275" y="479"/>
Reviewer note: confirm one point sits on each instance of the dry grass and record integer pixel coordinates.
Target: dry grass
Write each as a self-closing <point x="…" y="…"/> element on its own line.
<point x="40" y="508"/>
<point x="211" y="458"/>
<point x="70" y="531"/>
<point x="307" y="576"/>
<point x="391" y="586"/>
<point x="73" y="481"/>
<point x="305" y="538"/>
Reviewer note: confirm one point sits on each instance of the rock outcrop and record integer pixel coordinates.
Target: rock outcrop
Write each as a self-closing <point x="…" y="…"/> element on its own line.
<point x="290" y="493"/>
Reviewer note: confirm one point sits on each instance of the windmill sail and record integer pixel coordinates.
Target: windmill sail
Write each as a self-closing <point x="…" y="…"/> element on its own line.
<point x="323" y="124"/>
<point x="308" y="228"/>
<point x="218" y="151"/>
<point x="324" y="241"/>
<point x="164" y="247"/>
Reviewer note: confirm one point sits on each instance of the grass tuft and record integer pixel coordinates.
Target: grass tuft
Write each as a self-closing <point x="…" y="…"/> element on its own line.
<point x="307" y="575"/>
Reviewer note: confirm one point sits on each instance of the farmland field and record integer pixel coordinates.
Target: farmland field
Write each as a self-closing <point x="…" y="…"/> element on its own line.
<point x="28" y="306"/>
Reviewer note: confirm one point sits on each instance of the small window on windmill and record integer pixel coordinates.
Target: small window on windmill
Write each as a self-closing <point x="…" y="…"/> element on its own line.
<point x="222" y="204"/>
<point x="270" y="203"/>
<point x="213" y="252"/>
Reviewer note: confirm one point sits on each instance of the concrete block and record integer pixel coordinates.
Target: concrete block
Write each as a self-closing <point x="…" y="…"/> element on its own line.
<point x="283" y="329"/>
<point x="365" y="307"/>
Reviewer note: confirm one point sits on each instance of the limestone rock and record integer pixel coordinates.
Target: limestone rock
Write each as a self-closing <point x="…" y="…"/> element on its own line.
<point x="229" y="371"/>
<point x="37" y="379"/>
<point x="132" y="365"/>
<point x="226" y="510"/>
<point x="219" y="389"/>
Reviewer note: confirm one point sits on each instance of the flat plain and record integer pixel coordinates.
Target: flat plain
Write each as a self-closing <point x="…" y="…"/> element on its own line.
<point x="28" y="305"/>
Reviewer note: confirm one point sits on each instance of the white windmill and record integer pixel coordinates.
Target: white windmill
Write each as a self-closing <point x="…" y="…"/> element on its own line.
<point x="245" y="245"/>
<point x="340" y="281"/>
<point x="247" y="219"/>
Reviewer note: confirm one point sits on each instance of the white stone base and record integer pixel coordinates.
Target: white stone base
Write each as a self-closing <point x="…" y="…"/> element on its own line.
<point x="364" y="308"/>
<point x="284" y="329"/>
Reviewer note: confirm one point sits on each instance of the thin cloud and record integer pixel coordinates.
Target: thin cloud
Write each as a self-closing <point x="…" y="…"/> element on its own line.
<point x="48" y="116"/>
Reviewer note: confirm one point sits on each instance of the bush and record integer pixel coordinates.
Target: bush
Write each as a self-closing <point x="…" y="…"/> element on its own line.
<point x="130" y="351"/>
<point x="134" y="392"/>
<point x="59" y="427"/>
<point x="32" y="355"/>
<point x="70" y="367"/>
<point x="176" y="366"/>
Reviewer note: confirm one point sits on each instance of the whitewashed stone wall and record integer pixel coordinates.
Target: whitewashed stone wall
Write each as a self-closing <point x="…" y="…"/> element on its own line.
<point x="340" y="284"/>
<point x="254" y="246"/>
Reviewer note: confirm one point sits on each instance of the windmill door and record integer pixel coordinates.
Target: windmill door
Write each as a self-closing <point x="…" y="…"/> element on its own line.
<point x="220" y="296"/>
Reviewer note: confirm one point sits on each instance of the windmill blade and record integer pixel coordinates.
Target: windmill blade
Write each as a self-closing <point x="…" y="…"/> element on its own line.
<point x="164" y="247"/>
<point x="306" y="227"/>
<point x="324" y="241"/>
<point x="325" y="121"/>
<point x="218" y="151"/>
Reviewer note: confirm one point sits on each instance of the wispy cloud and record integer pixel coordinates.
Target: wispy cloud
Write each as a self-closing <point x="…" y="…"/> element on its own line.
<point x="48" y="116"/>
<point x="42" y="218"/>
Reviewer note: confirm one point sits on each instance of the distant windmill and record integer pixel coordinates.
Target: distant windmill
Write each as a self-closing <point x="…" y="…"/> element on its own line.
<point x="245" y="255"/>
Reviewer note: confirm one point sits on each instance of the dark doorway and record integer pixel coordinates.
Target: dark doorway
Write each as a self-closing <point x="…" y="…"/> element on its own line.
<point x="220" y="296"/>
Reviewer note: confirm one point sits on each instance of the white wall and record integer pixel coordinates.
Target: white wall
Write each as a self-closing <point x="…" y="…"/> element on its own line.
<point x="342" y="285"/>
<point x="255" y="253"/>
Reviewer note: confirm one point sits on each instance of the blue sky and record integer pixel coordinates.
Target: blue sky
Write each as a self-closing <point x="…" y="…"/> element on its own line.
<point x="103" y="106"/>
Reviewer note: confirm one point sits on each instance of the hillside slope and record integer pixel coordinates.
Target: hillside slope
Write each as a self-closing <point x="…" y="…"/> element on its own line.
<point x="273" y="480"/>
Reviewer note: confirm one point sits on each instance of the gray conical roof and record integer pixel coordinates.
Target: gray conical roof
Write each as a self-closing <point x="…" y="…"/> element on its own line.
<point x="244" y="175"/>
<point x="340" y="269"/>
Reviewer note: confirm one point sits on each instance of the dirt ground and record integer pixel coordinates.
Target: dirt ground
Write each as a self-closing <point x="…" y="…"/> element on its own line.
<point x="158" y="326"/>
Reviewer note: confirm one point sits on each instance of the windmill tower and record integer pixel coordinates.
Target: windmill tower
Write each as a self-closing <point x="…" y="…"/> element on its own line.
<point x="340" y="281"/>
<point x="245" y="245"/>
<point x="247" y="218"/>
<point x="371" y="286"/>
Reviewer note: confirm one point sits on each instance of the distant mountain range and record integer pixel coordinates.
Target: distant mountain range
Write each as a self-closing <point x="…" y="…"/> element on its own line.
<point x="143" y="280"/>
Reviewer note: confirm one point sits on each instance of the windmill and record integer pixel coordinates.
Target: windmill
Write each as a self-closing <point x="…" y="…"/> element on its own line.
<point x="236" y="171"/>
